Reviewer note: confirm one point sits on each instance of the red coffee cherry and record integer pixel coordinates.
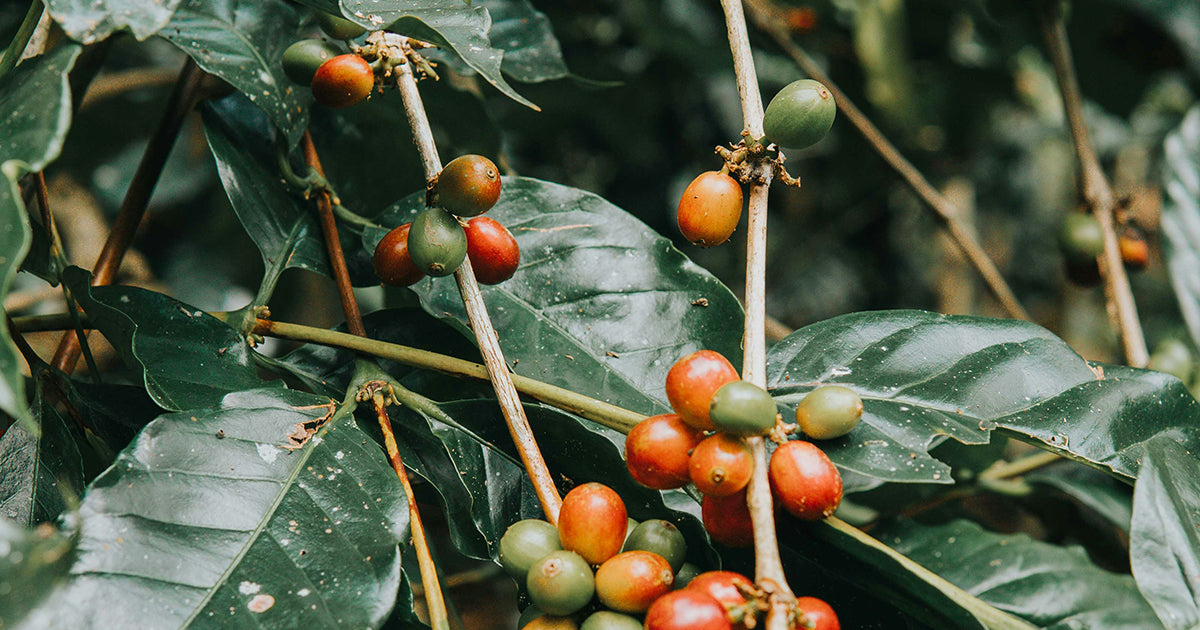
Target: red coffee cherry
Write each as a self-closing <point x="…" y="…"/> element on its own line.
<point x="468" y="186"/>
<point x="392" y="263"/>
<point x="656" y="451"/>
<point x="722" y="586"/>
<point x="710" y="209"/>
<point x="592" y="522"/>
<point x="343" y="81"/>
<point x="1135" y="253"/>
<point x="727" y="519"/>
<point x="687" y="610"/>
<point x="691" y="383"/>
<point x="721" y="465"/>
<point x="818" y="613"/>
<point x="631" y="581"/>
<point x="492" y="249"/>
<point x="804" y="481"/>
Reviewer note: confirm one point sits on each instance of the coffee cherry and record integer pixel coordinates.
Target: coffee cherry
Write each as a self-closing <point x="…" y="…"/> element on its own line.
<point x="631" y="581"/>
<point x="722" y="586"/>
<point x="592" y="522"/>
<point x="392" y="263"/>
<point x="691" y="383"/>
<point x="818" y="613"/>
<point x="1081" y="238"/>
<point x="343" y="81"/>
<point x="721" y="465"/>
<point x="743" y="408"/>
<point x="492" y="249"/>
<point x="1135" y="253"/>
<point x="534" y="618"/>
<point x="709" y="209"/>
<point x="437" y="242"/>
<point x="799" y="115"/>
<point x="687" y="609"/>
<point x="339" y="27"/>
<point x="727" y="519"/>
<point x="659" y="537"/>
<point x="608" y="620"/>
<point x="804" y="481"/>
<point x="829" y="411"/>
<point x="301" y="59"/>
<point x="656" y="451"/>
<point x="686" y="574"/>
<point x="560" y="583"/>
<point x="468" y="186"/>
<point x="524" y="543"/>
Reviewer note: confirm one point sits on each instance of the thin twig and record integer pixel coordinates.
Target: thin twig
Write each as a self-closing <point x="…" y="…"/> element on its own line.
<point x="16" y="47"/>
<point x="1097" y="192"/>
<point x="767" y="18"/>
<point x="768" y="565"/>
<point x="333" y="244"/>
<point x="137" y="197"/>
<point x="1008" y="470"/>
<point x="489" y="342"/>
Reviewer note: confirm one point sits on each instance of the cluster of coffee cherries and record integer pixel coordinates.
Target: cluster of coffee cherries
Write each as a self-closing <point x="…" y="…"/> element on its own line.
<point x="437" y="240"/>
<point x="1081" y="240"/>
<point x="337" y="78"/>
<point x="711" y="206"/>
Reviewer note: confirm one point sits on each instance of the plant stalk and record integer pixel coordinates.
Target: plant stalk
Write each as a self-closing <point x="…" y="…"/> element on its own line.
<point x="1097" y="192"/>
<point x="16" y="47"/>
<point x="485" y="334"/>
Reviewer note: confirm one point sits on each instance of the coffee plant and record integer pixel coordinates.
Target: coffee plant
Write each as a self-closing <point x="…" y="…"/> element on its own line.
<point x="457" y="386"/>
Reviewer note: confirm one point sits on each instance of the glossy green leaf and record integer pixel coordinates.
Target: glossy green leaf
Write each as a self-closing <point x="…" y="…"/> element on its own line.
<point x="1181" y="216"/>
<point x="1110" y="498"/>
<point x="188" y="358"/>
<point x="531" y="51"/>
<point x="601" y="304"/>
<point x="32" y="563"/>
<point x="925" y="377"/>
<point x="242" y="41"/>
<point x="238" y="517"/>
<point x="1049" y="586"/>
<point x="39" y="474"/>
<point x="35" y="114"/>
<point x="1164" y="541"/>
<point x="90" y="21"/>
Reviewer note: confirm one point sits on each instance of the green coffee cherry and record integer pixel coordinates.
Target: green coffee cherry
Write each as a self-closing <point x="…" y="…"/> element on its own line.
<point x="686" y="574"/>
<point x="743" y="408"/>
<point x="660" y="537"/>
<point x="524" y="543"/>
<point x="828" y="412"/>
<point x="799" y="115"/>
<point x="437" y="243"/>
<point x="301" y="59"/>
<point x="561" y="583"/>
<point x="339" y="27"/>
<point x="1080" y="237"/>
<point x="608" y="620"/>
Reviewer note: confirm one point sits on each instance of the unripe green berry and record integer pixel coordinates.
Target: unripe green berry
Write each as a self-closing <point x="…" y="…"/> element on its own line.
<point x="660" y="537"/>
<point x="339" y="27"/>
<point x="1081" y="237"/>
<point x="524" y="543"/>
<point x="743" y="408"/>
<point x="437" y="243"/>
<point x="799" y="115"/>
<point x="829" y="411"/>
<point x="301" y="59"/>
<point x="561" y="583"/>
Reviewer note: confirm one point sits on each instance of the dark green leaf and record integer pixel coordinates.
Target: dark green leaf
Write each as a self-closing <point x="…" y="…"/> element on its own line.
<point x="1164" y="542"/>
<point x="601" y="304"/>
<point x="1110" y="498"/>
<point x="38" y="473"/>
<point x="35" y="114"/>
<point x="189" y="359"/>
<point x="925" y="377"/>
<point x="531" y="52"/>
<point x="32" y="562"/>
<point x="1049" y="586"/>
<point x="115" y="412"/>
<point x="1181" y="217"/>
<point x="242" y="41"/>
<point x="219" y="518"/>
<point x="1179" y="19"/>
<point x="89" y="21"/>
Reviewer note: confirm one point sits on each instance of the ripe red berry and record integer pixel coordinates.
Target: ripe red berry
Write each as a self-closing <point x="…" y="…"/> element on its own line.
<point x="691" y="383"/>
<point x="721" y="465"/>
<point x="392" y="263"/>
<point x="656" y="451"/>
<point x="710" y="208"/>
<point x="818" y="613"/>
<point x="343" y="81"/>
<point x="805" y="481"/>
<point x="727" y="519"/>
<point x="722" y="586"/>
<point x="631" y="581"/>
<point x="687" y="610"/>
<point x="468" y="186"/>
<point x="592" y="522"/>
<point x="1135" y="253"/>
<point x="492" y="249"/>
